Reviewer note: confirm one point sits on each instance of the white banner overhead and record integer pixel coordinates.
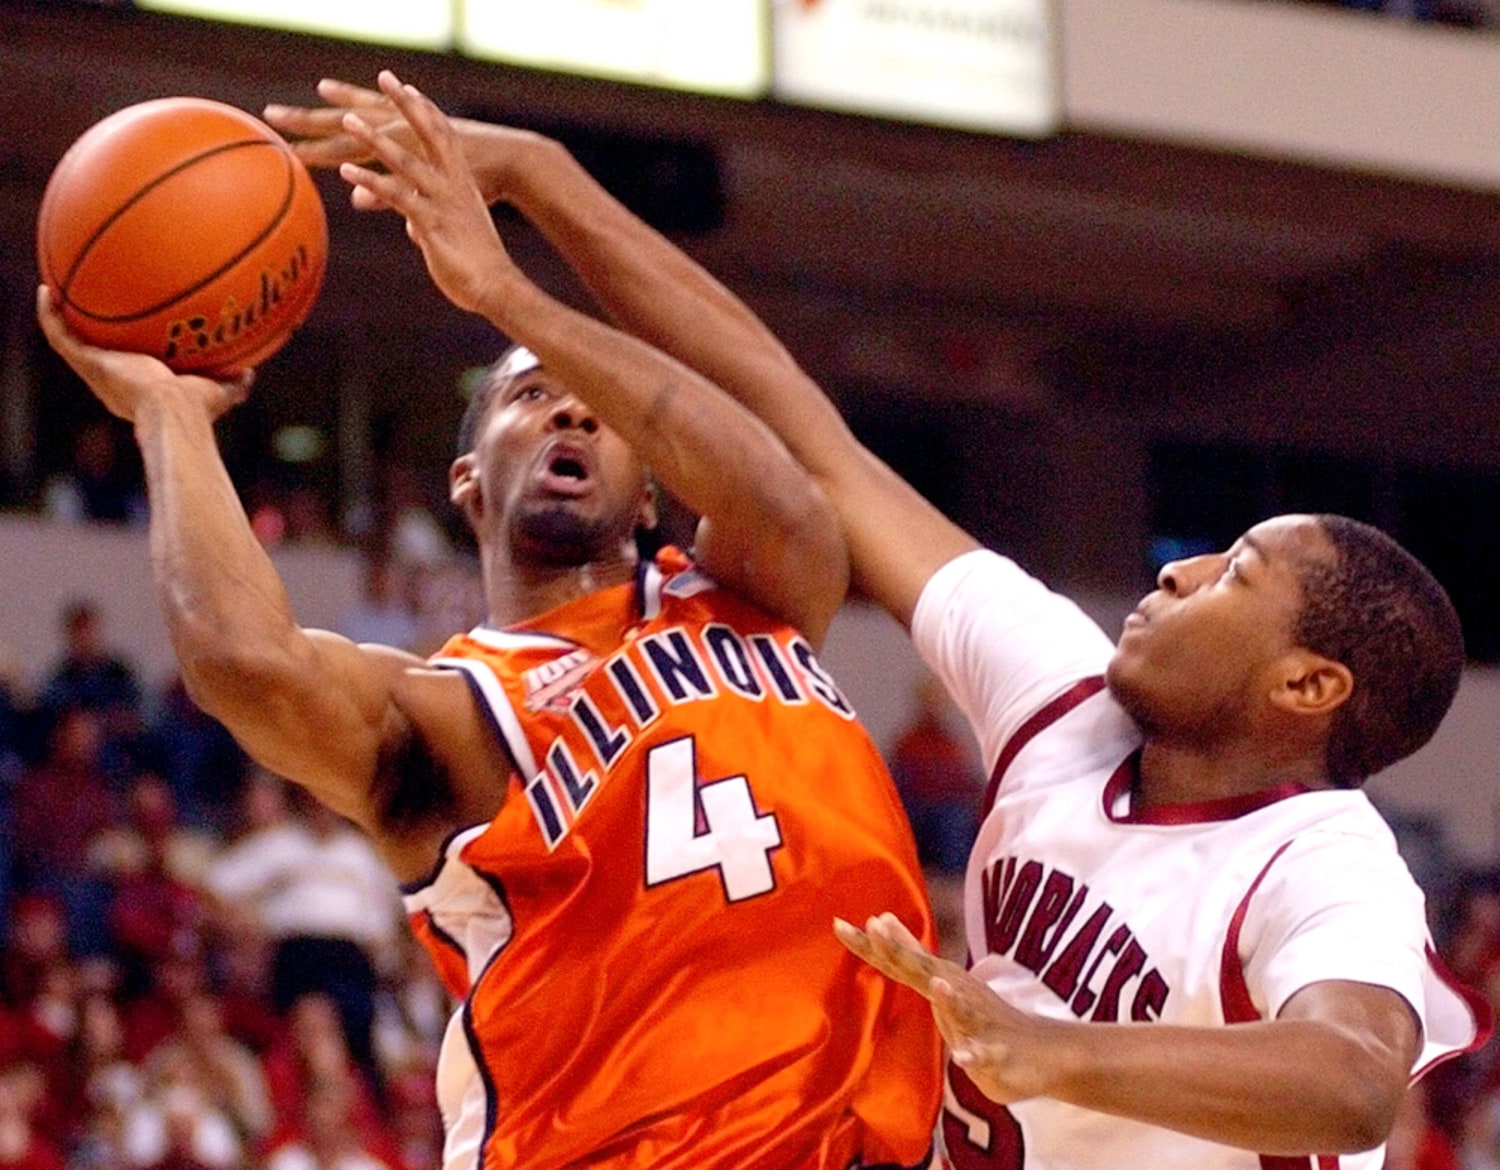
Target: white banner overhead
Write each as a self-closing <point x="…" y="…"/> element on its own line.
<point x="975" y="64"/>
<point x="416" y="24"/>
<point x="710" y="46"/>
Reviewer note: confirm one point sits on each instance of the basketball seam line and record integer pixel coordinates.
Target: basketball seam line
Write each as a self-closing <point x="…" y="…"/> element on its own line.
<point x="210" y="277"/>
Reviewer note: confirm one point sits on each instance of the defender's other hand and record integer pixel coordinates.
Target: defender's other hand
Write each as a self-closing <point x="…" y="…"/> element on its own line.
<point x="431" y="185"/>
<point x="1005" y="1052"/>
<point x="495" y="154"/>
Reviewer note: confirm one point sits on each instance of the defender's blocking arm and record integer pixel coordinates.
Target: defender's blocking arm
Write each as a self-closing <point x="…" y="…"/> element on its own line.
<point x="764" y="521"/>
<point x="659" y="294"/>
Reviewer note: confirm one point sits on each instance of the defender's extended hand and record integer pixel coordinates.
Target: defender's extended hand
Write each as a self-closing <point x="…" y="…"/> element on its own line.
<point x="123" y="381"/>
<point x="431" y="185"/>
<point x="320" y="139"/>
<point x="1004" y="1051"/>
<point x="495" y="154"/>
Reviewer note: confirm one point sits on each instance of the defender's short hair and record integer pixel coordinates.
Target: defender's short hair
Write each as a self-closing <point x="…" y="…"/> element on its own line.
<point x="1375" y="608"/>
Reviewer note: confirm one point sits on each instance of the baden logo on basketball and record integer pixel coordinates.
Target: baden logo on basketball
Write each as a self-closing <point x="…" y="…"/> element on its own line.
<point x="191" y="337"/>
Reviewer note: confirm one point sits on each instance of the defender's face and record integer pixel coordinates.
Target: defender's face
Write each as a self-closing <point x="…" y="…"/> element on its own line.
<point x="1196" y="657"/>
<point x="549" y="478"/>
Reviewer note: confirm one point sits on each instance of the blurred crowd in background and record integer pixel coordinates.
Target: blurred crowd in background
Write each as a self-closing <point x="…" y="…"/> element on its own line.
<point x="202" y="969"/>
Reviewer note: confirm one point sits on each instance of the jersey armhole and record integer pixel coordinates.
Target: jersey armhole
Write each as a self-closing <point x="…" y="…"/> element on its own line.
<point x="498" y="712"/>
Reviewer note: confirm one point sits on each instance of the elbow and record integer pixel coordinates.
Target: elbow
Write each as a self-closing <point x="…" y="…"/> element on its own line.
<point x="809" y="529"/>
<point x="1363" y="1133"/>
<point x="1366" y="1108"/>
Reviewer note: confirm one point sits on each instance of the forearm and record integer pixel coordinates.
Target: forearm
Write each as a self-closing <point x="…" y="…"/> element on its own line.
<point x="217" y="589"/>
<point x="658" y="293"/>
<point x="719" y="460"/>
<point x="1284" y="1087"/>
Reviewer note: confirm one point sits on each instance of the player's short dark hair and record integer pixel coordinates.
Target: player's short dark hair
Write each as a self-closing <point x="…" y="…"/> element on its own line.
<point x="495" y="378"/>
<point x="1377" y="609"/>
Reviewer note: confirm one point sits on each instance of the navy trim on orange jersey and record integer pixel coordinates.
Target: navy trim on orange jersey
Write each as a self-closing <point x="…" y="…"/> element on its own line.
<point x="471" y="1033"/>
<point x="417" y="885"/>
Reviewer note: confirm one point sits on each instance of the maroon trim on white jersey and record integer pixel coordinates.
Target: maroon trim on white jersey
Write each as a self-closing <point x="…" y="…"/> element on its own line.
<point x="1479" y="1008"/>
<point x="1233" y="992"/>
<point x="1239" y="1009"/>
<point x="1193" y="812"/>
<point x="1044" y="718"/>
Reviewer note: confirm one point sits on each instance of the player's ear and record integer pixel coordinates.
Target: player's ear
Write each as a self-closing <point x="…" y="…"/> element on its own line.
<point x="1310" y="684"/>
<point x="463" y="481"/>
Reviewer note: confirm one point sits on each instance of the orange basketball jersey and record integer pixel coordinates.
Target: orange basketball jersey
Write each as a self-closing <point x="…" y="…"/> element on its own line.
<point x="642" y="937"/>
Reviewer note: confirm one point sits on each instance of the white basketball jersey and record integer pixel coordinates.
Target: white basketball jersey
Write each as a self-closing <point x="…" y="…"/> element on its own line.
<point x="1077" y="907"/>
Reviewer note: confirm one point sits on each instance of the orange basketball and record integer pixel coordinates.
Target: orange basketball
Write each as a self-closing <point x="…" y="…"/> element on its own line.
<point x="186" y="229"/>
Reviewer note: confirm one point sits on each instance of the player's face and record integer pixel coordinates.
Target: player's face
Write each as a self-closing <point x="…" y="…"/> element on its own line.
<point x="1198" y="657"/>
<point x="549" y="478"/>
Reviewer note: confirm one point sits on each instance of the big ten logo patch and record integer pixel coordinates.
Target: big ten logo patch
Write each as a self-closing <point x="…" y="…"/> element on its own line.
<point x="550" y="686"/>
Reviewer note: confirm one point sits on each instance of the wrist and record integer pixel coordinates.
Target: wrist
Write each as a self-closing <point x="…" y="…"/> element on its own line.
<point x="534" y="169"/>
<point x="502" y="300"/>
<point x="1062" y="1058"/>
<point x="162" y="406"/>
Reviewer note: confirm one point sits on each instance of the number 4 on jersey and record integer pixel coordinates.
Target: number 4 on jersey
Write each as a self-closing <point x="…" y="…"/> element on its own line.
<point x="732" y="836"/>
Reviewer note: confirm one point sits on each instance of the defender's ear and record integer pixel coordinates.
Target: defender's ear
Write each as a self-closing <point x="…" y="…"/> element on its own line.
<point x="1311" y="684"/>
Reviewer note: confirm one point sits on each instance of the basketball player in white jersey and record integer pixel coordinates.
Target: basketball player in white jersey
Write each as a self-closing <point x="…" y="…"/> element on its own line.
<point x="1193" y="941"/>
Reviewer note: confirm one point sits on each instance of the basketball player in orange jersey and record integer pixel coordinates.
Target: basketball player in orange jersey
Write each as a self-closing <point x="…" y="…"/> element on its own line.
<point x="1194" y="944"/>
<point x="628" y="805"/>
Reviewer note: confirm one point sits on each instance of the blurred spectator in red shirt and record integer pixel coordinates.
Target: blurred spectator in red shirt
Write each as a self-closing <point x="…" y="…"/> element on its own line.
<point x="329" y="1138"/>
<point x="22" y="1145"/>
<point x="226" y="1072"/>
<point x="938" y="783"/>
<point x="314" y="1053"/>
<point x="62" y="805"/>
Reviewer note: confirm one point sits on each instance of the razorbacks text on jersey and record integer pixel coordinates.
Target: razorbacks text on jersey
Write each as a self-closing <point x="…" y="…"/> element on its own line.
<point x="1079" y="907"/>
<point x="642" y="937"/>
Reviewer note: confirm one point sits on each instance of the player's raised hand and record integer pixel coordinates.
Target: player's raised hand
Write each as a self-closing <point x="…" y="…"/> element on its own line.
<point x="124" y="381"/>
<point x="431" y="185"/>
<point x="1006" y="1053"/>
<point x="319" y="137"/>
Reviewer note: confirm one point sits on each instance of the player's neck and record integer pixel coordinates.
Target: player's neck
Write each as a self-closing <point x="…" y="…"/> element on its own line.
<point x="515" y="591"/>
<point x="1176" y="773"/>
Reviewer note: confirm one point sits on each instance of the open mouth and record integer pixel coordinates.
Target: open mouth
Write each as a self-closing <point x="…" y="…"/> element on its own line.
<point x="566" y="471"/>
<point x="568" y="467"/>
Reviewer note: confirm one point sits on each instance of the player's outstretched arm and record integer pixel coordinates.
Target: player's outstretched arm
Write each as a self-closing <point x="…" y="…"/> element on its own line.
<point x="311" y="706"/>
<point x="768" y="531"/>
<point x="656" y="292"/>
<point x="1326" y="1076"/>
